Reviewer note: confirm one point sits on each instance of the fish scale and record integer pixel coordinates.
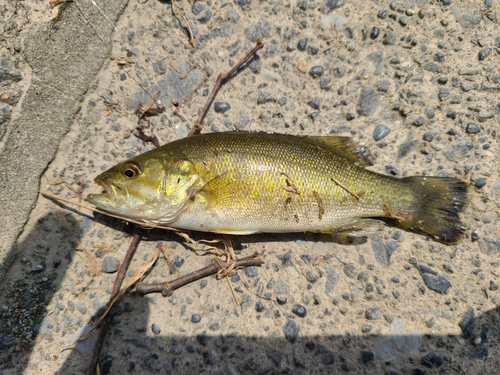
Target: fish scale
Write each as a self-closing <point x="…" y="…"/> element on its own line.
<point x="243" y="183"/>
<point x="252" y="178"/>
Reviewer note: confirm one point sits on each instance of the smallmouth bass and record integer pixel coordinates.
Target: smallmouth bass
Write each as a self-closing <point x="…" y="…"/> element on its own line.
<point x="245" y="183"/>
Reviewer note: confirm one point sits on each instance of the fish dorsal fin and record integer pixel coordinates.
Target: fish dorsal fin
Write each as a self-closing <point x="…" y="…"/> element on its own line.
<point x="343" y="147"/>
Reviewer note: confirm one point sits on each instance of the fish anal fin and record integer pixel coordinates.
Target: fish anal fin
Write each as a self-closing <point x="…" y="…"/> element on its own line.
<point x="358" y="228"/>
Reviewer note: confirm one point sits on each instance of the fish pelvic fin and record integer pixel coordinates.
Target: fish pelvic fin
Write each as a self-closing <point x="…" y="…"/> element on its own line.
<point x="439" y="200"/>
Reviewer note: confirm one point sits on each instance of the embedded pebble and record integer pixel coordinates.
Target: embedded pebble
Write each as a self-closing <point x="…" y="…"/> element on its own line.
<point x="221" y="107"/>
<point x="299" y="310"/>
<point x="373" y="313"/>
<point x="156" y="329"/>
<point x="368" y="102"/>
<point x="473" y="128"/>
<point x="432" y="360"/>
<point x="434" y="281"/>
<point x="316" y="71"/>
<point x="468" y="323"/>
<point x="291" y="330"/>
<point x="480" y="182"/>
<point x="110" y="264"/>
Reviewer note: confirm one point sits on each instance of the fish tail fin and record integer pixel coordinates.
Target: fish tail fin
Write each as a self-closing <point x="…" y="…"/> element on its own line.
<point x="438" y="204"/>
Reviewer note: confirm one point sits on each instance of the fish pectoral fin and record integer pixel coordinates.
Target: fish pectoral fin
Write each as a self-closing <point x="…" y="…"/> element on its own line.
<point x="358" y="228"/>
<point x="343" y="147"/>
<point x="219" y="190"/>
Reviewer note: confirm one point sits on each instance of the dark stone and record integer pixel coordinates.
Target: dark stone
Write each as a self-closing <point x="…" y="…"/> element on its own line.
<point x="419" y="121"/>
<point x="302" y="44"/>
<point x="373" y="313"/>
<point x="328" y="358"/>
<point x="451" y="114"/>
<point x="458" y="151"/>
<point x="299" y="310"/>
<point x="377" y="58"/>
<point x="473" y="128"/>
<point x="107" y="364"/>
<point x="480" y="352"/>
<point x="291" y="330"/>
<point x="470" y="20"/>
<point x="209" y="358"/>
<point x="339" y="72"/>
<point x="221" y="107"/>
<point x="242" y="3"/>
<point x="281" y="300"/>
<point x="251" y="271"/>
<point x="259" y="306"/>
<point x="195" y="318"/>
<point x="330" y="5"/>
<point x="442" y="80"/>
<point x="317" y="71"/>
<point x="480" y="182"/>
<point x="389" y="38"/>
<point x="160" y="67"/>
<point x="434" y="281"/>
<point x="382" y="14"/>
<point x="406" y="148"/>
<point x="156" y="329"/>
<point x="350" y="271"/>
<point x="7" y="72"/>
<point x="206" y="17"/>
<point x="197" y="8"/>
<point x="383" y="85"/>
<point x="275" y="356"/>
<point x="312" y="50"/>
<point x="485" y="332"/>
<point x="314" y="103"/>
<point x="438" y="57"/>
<point x="368" y="102"/>
<point x="432" y="360"/>
<point x="324" y="83"/>
<point x="429" y="136"/>
<point x="202" y="338"/>
<point x="433" y="67"/>
<point x="375" y="32"/>
<point x="367" y="356"/>
<point x="468" y="323"/>
<point x="110" y="264"/>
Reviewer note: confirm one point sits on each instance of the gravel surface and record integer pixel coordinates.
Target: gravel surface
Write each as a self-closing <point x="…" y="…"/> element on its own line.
<point x="416" y="82"/>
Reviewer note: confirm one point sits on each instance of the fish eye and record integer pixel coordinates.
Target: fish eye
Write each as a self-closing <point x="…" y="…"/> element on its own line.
<point x="130" y="170"/>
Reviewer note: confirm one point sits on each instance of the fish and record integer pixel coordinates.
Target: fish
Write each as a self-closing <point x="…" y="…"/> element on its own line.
<point x="243" y="183"/>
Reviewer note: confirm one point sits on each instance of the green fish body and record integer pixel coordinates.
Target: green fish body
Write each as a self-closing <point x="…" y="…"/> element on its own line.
<point x="244" y="183"/>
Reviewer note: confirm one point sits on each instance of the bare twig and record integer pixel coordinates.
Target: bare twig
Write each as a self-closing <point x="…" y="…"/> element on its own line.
<point x="345" y="188"/>
<point x="221" y="79"/>
<point x="168" y="287"/>
<point x="93" y="369"/>
<point x="191" y="37"/>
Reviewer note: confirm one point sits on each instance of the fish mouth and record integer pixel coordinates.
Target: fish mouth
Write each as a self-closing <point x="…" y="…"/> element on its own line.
<point x="113" y="196"/>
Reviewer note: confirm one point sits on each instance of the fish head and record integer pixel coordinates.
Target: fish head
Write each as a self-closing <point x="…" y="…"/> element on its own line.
<point x="146" y="188"/>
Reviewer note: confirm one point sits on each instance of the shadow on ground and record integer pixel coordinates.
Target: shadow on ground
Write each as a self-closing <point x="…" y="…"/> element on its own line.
<point x="45" y="255"/>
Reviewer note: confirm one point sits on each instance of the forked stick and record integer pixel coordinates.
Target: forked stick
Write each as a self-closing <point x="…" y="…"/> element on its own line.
<point x="221" y="79"/>
<point x="168" y="287"/>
